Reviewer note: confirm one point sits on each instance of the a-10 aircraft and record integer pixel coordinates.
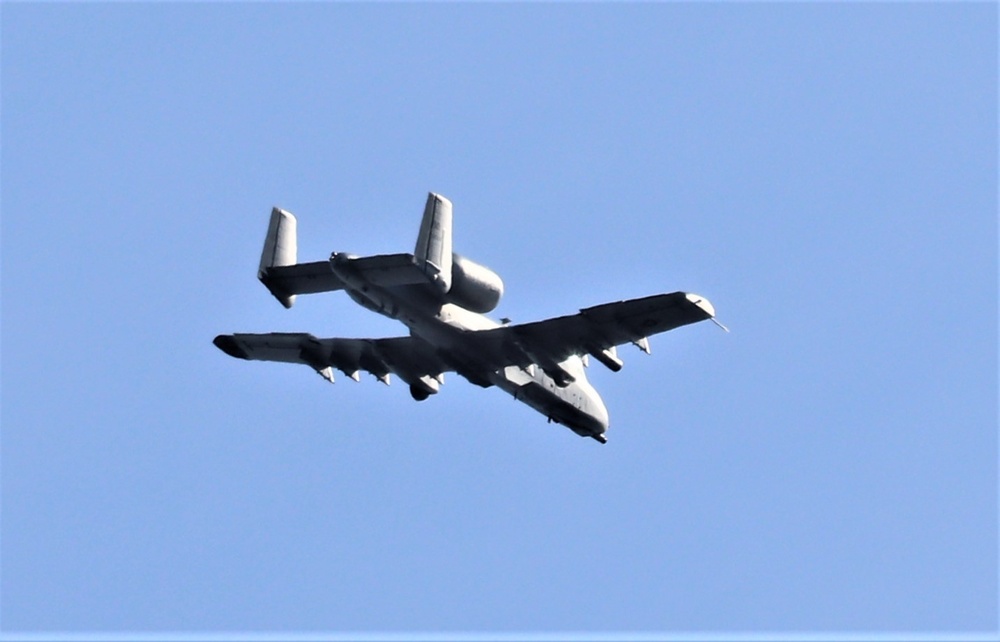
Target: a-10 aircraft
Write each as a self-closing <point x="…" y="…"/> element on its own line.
<point x="442" y="297"/>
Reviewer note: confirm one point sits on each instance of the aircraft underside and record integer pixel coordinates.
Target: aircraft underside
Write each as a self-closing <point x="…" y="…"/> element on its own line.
<point x="442" y="297"/>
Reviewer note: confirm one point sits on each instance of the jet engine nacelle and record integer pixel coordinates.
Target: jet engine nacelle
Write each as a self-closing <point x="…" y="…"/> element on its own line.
<point x="473" y="286"/>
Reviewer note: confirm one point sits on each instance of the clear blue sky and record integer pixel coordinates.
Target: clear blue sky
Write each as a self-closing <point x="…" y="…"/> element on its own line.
<point x="825" y="174"/>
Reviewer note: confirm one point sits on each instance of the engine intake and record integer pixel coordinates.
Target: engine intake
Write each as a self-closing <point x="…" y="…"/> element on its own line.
<point x="473" y="286"/>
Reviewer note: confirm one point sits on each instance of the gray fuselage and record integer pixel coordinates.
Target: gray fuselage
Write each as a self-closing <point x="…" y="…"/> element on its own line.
<point x="446" y="327"/>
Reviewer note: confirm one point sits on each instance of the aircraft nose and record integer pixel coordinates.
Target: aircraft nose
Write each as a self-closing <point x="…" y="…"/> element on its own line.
<point x="599" y="413"/>
<point x="602" y="416"/>
<point x="591" y="418"/>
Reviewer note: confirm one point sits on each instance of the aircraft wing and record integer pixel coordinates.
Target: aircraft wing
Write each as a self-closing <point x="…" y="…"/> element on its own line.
<point x="384" y="270"/>
<point x="412" y="359"/>
<point x="596" y="330"/>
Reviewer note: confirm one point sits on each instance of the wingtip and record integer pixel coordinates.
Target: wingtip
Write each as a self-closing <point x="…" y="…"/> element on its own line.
<point x="227" y="343"/>
<point x="704" y="304"/>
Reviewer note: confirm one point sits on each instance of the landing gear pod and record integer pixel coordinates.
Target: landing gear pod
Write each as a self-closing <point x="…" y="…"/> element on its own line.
<point x="424" y="387"/>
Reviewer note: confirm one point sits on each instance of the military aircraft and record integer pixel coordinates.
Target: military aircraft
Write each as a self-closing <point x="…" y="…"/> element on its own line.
<point x="442" y="297"/>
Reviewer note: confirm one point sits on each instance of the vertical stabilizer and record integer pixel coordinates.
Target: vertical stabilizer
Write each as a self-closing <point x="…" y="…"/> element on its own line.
<point x="433" y="251"/>
<point x="279" y="249"/>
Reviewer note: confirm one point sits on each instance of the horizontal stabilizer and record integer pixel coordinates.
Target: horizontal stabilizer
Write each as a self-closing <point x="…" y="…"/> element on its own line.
<point x="278" y="270"/>
<point x="383" y="270"/>
<point x="302" y="278"/>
